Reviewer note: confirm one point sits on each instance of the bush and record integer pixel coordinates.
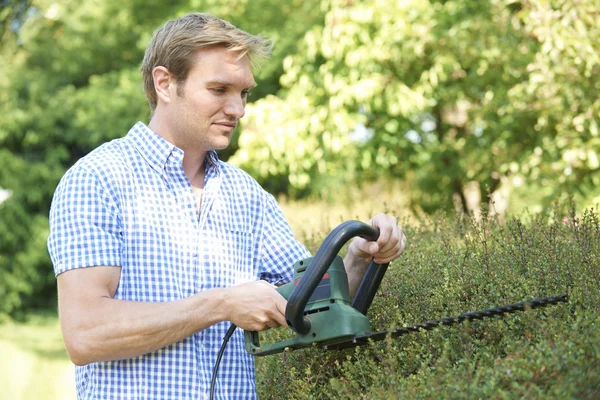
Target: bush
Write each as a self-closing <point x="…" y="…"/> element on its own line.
<point x="456" y="265"/>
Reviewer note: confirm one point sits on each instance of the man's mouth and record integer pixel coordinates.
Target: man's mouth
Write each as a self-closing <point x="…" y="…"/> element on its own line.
<point x="226" y="124"/>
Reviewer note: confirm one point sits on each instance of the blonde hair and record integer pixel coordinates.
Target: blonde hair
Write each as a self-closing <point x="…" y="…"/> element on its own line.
<point x="173" y="46"/>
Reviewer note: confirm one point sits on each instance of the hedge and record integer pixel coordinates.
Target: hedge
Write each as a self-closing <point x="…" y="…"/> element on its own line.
<point x="459" y="264"/>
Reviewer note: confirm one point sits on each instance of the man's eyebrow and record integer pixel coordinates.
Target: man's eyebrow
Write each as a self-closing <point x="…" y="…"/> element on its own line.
<point x="218" y="82"/>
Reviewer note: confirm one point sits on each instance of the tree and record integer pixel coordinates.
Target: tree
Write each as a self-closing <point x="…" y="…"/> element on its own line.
<point x="441" y="93"/>
<point x="12" y="15"/>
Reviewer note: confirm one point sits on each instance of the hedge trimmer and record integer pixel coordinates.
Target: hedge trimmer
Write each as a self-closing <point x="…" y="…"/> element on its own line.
<point x="319" y="310"/>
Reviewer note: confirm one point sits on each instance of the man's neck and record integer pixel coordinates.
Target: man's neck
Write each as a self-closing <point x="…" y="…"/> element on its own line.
<point x="194" y="170"/>
<point x="193" y="161"/>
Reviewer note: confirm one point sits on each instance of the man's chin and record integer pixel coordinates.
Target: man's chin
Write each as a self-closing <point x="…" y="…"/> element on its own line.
<point x="221" y="144"/>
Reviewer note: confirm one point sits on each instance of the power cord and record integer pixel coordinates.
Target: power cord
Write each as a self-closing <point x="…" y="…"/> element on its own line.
<point x="226" y="338"/>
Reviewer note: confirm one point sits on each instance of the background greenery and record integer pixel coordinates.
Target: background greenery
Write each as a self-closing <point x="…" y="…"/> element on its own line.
<point x="448" y="106"/>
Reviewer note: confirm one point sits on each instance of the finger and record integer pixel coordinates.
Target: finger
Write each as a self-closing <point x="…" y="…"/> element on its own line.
<point x="386" y="225"/>
<point x="402" y="241"/>
<point x="279" y="314"/>
<point x="273" y="324"/>
<point x="390" y="245"/>
<point x="391" y="249"/>
<point x="395" y="252"/>
<point x="276" y="313"/>
<point x="364" y="248"/>
<point x="388" y="233"/>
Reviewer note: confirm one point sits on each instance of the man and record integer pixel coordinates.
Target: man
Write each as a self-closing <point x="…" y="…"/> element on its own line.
<point x="157" y="245"/>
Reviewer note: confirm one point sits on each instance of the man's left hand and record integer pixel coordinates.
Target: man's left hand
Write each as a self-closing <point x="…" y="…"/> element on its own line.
<point x="389" y="245"/>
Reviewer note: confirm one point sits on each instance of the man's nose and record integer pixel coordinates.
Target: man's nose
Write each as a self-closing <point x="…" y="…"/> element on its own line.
<point x="235" y="107"/>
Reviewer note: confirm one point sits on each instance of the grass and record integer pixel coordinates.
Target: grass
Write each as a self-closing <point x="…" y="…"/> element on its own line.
<point x="34" y="363"/>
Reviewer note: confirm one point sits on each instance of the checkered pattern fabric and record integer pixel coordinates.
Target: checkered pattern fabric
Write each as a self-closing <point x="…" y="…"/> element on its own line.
<point x="129" y="204"/>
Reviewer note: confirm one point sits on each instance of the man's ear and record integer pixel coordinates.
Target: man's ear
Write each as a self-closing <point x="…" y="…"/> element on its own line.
<point x="163" y="83"/>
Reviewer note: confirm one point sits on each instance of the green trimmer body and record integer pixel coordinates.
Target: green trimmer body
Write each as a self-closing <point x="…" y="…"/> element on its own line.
<point x="319" y="308"/>
<point x="331" y="315"/>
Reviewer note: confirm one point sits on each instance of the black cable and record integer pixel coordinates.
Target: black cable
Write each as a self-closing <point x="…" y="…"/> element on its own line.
<point x="221" y="351"/>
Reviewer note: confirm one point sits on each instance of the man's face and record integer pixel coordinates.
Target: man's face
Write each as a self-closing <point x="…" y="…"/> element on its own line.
<point x="204" y="112"/>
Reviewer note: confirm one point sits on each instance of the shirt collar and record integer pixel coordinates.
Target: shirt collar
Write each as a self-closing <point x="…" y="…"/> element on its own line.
<point x="156" y="150"/>
<point x="212" y="161"/>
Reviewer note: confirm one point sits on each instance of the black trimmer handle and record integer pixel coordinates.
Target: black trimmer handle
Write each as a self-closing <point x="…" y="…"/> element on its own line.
<point x="368" y="286"/>
<point x="294" y="312"/>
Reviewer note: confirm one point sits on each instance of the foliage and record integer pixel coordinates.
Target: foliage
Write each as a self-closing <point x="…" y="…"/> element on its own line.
<point x="455" y="265"/>
<point x="71" y="81"/>
<point x="439" y="93"/>
<point x="12" y="15"/>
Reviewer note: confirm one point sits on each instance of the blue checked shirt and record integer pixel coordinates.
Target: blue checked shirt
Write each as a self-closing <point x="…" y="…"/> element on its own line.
<point x="129" y="204"/>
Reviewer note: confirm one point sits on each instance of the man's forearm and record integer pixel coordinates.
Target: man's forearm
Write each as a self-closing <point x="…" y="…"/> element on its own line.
<point x="355" y="269"/>
<point x="117" y="329"/>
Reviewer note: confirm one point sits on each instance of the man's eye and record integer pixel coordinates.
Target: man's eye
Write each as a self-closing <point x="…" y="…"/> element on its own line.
<point x="219" y="90"/>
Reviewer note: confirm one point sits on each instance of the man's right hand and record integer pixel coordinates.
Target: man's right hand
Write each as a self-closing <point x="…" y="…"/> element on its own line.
<point x="255" y="306"/>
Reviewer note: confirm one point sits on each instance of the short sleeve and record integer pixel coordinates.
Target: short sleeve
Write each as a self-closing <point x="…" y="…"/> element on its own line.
<point x="280" y="250"/>
<point x="85" y="227"/>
